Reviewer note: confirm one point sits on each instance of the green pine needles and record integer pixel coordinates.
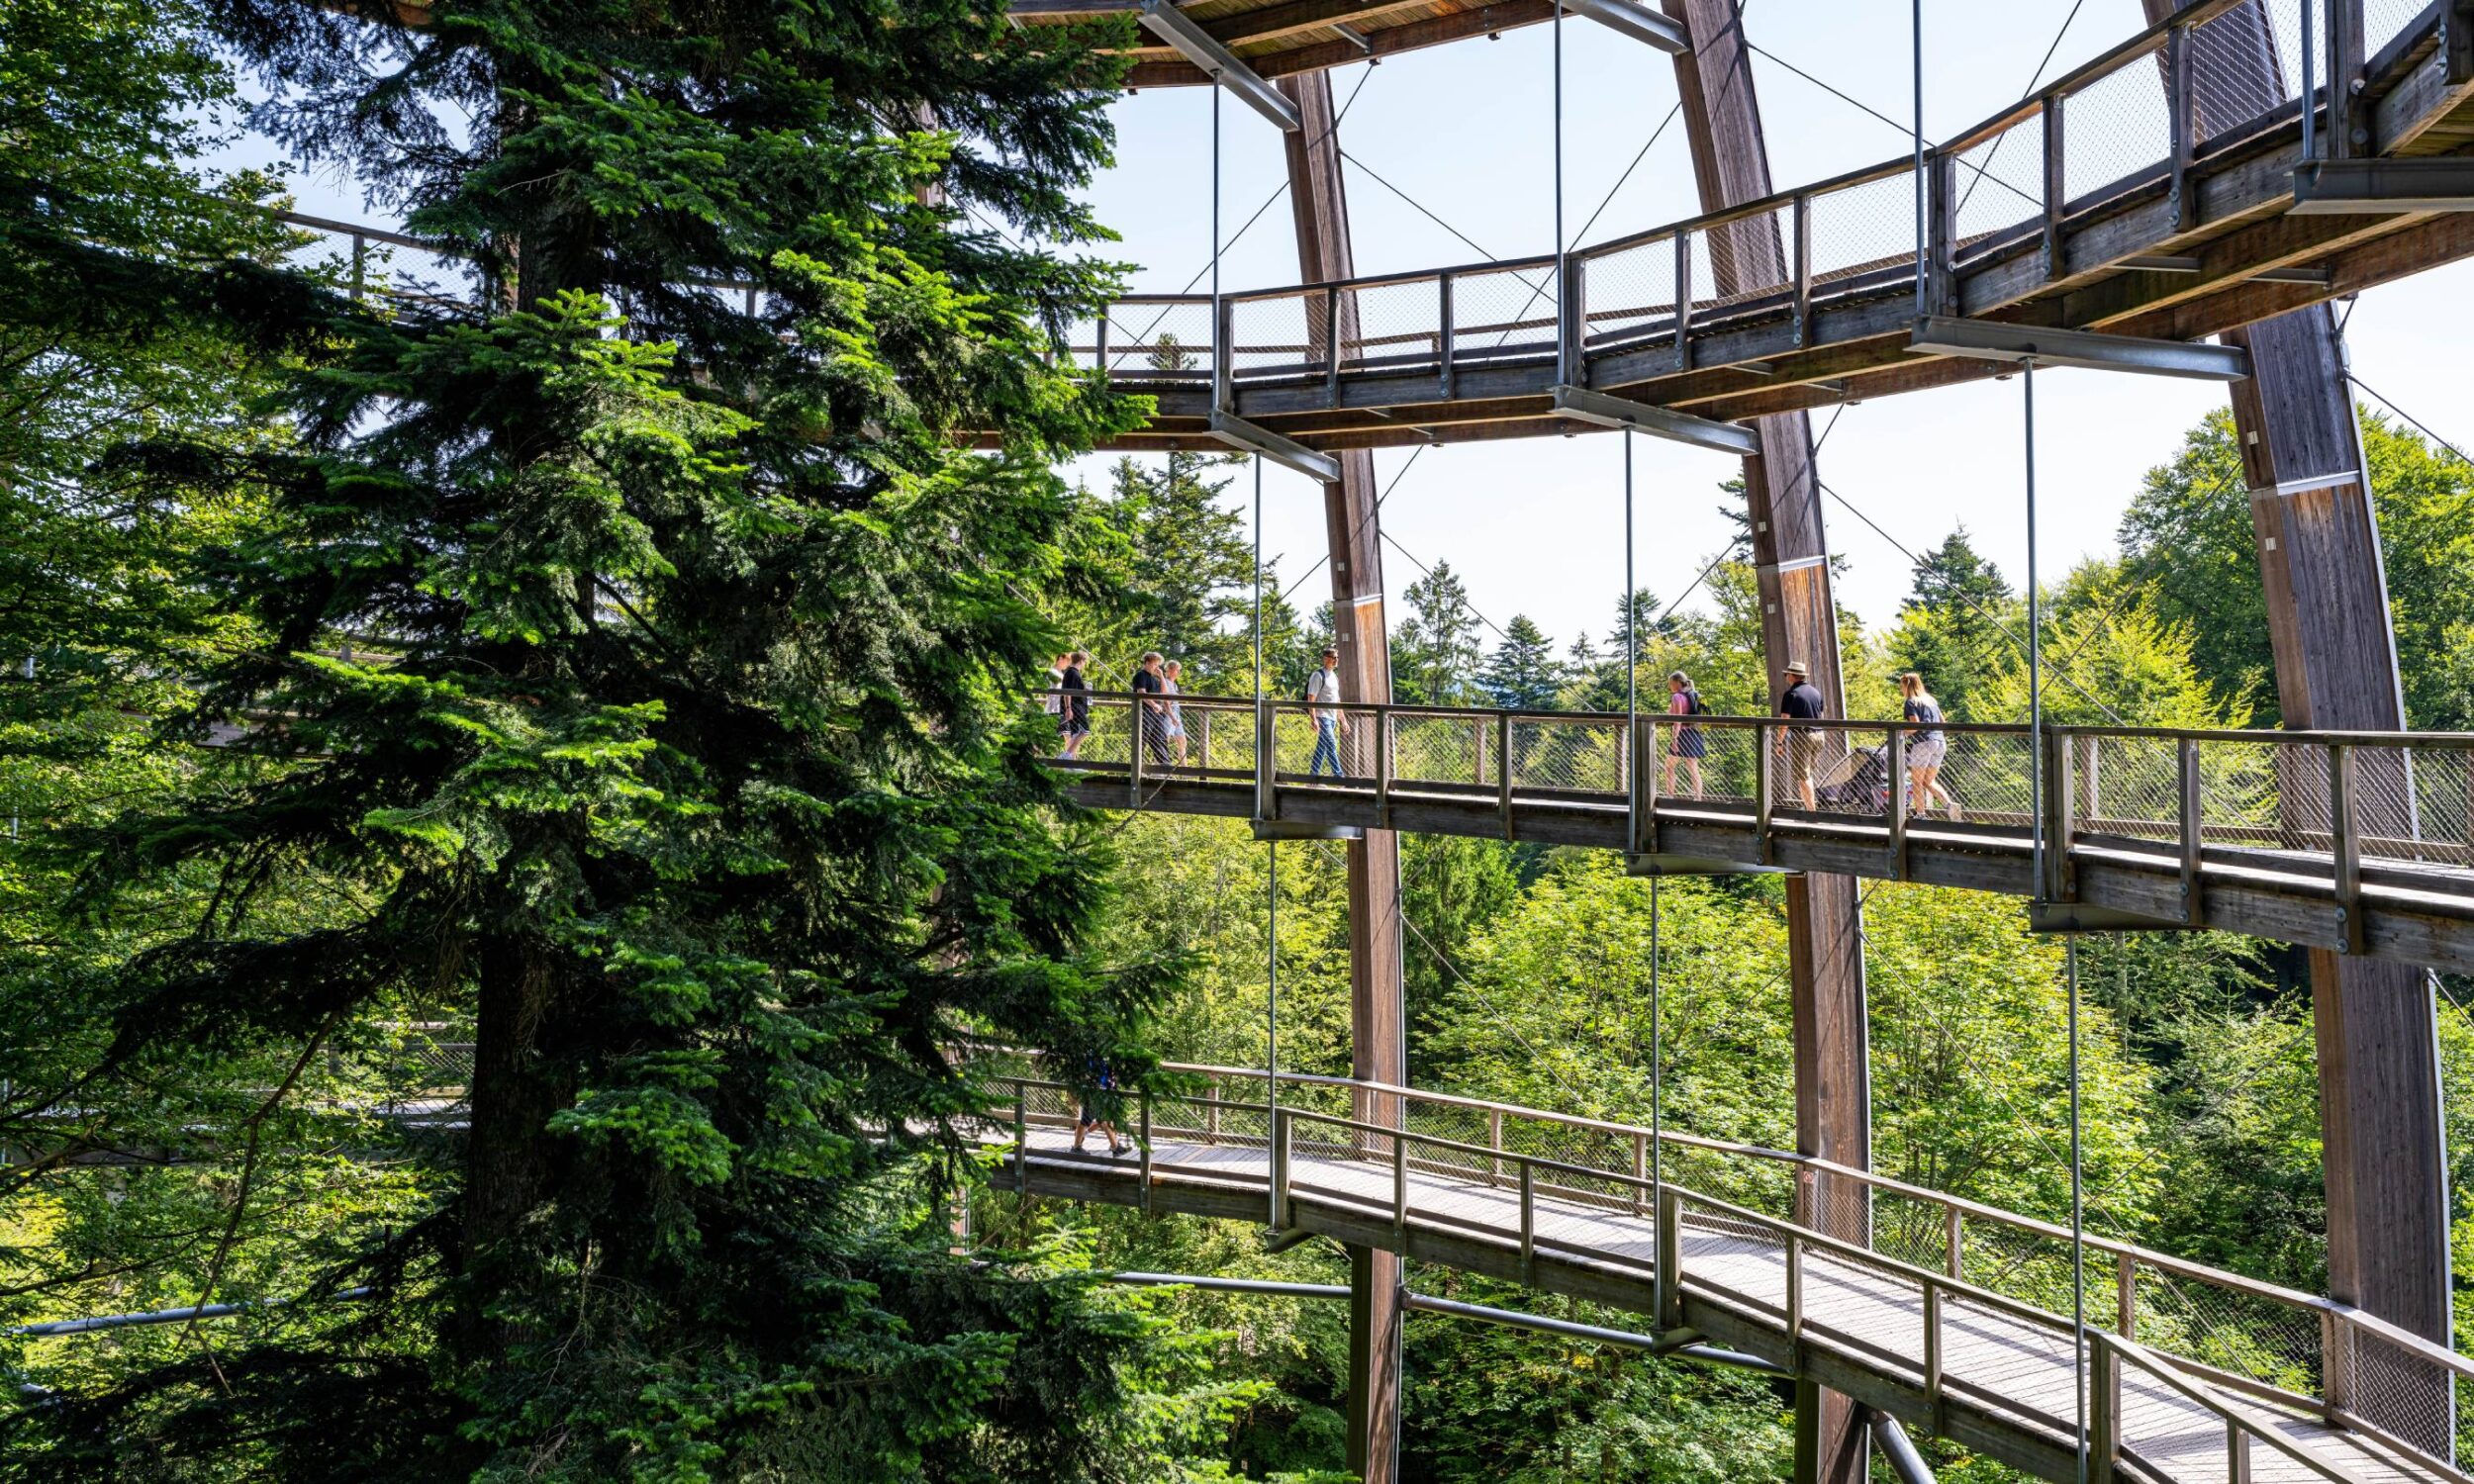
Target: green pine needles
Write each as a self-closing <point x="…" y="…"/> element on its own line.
<point x="630" y="676"/>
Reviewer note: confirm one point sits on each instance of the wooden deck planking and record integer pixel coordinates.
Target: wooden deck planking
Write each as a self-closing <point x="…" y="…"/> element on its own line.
<point x="2022" y="1368"/>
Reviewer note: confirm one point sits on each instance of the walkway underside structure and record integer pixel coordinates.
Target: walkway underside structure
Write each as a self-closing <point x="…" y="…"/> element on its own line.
<point x="1954" y="1319"/>
<point x="2281" y="835"/>
<point x="2146" y="194"/>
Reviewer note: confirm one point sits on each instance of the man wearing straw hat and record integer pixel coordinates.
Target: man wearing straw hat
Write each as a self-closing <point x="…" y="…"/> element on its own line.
<point x="1801" y="744"/>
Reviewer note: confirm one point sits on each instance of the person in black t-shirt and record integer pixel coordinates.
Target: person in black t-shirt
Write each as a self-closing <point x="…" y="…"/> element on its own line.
<point x="1801" y="744"/>
<point x="1155" y="713"/>
<point x="1073" y="722"/>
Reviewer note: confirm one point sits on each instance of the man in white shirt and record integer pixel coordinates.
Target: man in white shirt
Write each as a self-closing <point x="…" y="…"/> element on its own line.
<point x="1322" y="688"/>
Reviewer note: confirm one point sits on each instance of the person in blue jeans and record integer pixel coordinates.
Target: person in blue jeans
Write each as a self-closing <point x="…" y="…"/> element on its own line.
<point x="1322" y="690"/>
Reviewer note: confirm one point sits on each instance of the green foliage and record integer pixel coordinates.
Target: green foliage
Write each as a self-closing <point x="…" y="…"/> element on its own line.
<point x="1174" y="566"/>
<point x="1522" y="674"/>
<point x="1956" y="627"/>
<point x="1435" y="655"/>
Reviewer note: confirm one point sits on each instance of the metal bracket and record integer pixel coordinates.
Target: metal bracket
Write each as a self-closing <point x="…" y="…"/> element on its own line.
<point x="1584" y="406"/>
<point x="1636" y="20"/>
<point x="1288" y="453"/>
<point x="1998" y="340"/>
<point x="1164" y="20"/>
<point x="2353" y="187"/>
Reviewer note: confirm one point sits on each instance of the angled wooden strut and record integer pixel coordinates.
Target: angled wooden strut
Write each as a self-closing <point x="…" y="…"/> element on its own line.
<point x="1378" y="1018"/>
<point x="2382" y="1139"/>
<point x="1799" y="621"/>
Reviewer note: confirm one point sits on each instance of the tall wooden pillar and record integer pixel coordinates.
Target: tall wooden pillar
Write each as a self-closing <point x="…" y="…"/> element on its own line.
<point x="1378" y="1020"/>
<point x="1799" y="621"/>
<point x="2382" y="1139"/>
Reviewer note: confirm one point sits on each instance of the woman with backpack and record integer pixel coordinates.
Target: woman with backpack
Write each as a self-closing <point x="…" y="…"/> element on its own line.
<point x="1691" y="743"/>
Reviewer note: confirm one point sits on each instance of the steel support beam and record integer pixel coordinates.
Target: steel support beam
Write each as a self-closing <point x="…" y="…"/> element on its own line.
<point x="1636" y="20"/>
<point x="1799" y="621"/>
<point x="2000" y="341"/>
<point x="1164" y="20"/>
<point x="2317" y="535"/>
<point x="2356" y="187"/>
<point x="1288" y="453"/>
<point x="1581" y="405"/>
<point x="1378" y="1018"/>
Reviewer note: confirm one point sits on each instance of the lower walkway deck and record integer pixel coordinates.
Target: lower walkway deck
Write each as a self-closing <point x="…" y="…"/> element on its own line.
<point x="1948" y="1355"/>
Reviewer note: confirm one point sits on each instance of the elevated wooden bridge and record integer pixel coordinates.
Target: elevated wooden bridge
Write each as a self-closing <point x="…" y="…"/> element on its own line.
<point x="1951" y="1316"/>
<point x="2361" y="843"/>
<point x="2159" y="192"/>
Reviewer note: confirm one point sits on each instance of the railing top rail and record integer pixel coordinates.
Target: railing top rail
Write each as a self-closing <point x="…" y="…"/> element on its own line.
<point x="2103" y="64"/>
<point x="1117" y="299"/>
<point x="1388" y="280"/>
<point x="2448" y="740"/>
<point x="1846" y="180"/>
<point x="2190" y="1389"/>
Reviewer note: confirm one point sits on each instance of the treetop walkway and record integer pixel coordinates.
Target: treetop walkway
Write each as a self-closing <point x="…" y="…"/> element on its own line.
<point x="2160" y="192"/>
<point x="1953" y="1318"/>
<point x="2358" y="842"/>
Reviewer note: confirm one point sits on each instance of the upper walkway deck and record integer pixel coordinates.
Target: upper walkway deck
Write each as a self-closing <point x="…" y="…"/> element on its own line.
<point x="2359" y="842"/>
<point x="2148" y="193"/>
<point x="1949" y="1315"/>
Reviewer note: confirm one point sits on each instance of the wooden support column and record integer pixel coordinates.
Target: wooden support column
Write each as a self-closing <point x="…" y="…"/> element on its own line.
<point x="1799" y="621"/>
<point x="2317" y="542"/>
<point x="1377" y="1019"/>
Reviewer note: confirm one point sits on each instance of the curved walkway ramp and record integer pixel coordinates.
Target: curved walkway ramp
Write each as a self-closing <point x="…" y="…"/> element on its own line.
<point x="2358" y="842"/>
<point x="1955" y="1320"/>
<point x="2150" y="193"/>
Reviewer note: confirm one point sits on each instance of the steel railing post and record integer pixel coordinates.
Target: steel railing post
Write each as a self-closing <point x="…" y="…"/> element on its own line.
<point x="1382" y="769"/>
<point x="1445" y="335"/>
<point x="1140" y="742"/>
<point x="1644" y="768"/>
<point x="1640" y="1168"/>
<point x="1280" y="1169"/>
<point x="1900" y="803"/>
<point x="1143" y="1151"/>
<point x="1331" y="345"/>
<point x="1933" y="1349"/>
<point x="1022" y="1139"/>
<point x="1804" y="269"/>
<point x="2181" y="121"/>
<point x="1494" y="1142"/>
<point x="2190" y="828"/>
<point x="1266" y="763"/>
<point x="1954" y="1242"/>
<point x="2335" y="1367"/>
<point x="1210" y="1110"/>
<point x="1225" y="356"/>
<point x="2060" y="817"/>
<point x="2345" y="845"/>
<point x="2057" y="190"/>
<point x="1567" y="318"/>
<point x="1683" y="300"/>
<point x="1101" y="350"/>
<point x="1944" y="233"/>
<point x="2126" y="1296"/>
<point x="2237" y="1452"/>
<point x="1399" y="1186"/>
<point x="1796" y="1300"/>
<point x="1203" y="759"/>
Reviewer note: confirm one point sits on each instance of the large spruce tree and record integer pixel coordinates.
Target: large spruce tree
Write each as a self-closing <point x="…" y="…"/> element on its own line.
<point x="628" y="674"/>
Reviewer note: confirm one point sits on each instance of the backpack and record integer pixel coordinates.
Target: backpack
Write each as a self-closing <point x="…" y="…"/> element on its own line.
<point x="1692" y="704"/>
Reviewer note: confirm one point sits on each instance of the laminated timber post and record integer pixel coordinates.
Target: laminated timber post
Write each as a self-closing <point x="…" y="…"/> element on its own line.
<point x="2317" y="540"/>
<point x="1799" y="621"/>
<point x="1378" y="1037"/>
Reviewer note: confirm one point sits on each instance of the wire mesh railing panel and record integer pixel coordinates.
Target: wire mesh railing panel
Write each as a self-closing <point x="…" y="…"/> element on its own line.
<point x="1723" y="1251"/>
<point x="1850" y="772"/>
<point x="1569" y="754"/>
<point x="1218" y="737"/>
<point x="1275" y="336"/>
<point x="2401" y="1393"/>
<point x="1988" y="777"/>
<point x="1630" y="294"/>
<point x="2128" y="786"/>
<point x="1332" y="743"/>
<point x="1747" y="258"/>
<point x="1716" y="764"/>
<point x="1441" y="750"/>
<point x="1396" y="326"/>
<point x="2000" y="185"/>
<point x="2383" y="20"/>
<point x="2443" y="807"/>
<point x="2247" y="1334"/>
<point x="2264" y="794"/>
<point x="2118" y="126"/>
<point x="1911" y="1230"/>
<point x="1864" y="229"/>
<point x="1151" y="341"/>
<point x="1110" y="738"/>
<point x="2020" y="1265"/>
<point x="1498" y="313"/>
<point x="2244" y="63"/>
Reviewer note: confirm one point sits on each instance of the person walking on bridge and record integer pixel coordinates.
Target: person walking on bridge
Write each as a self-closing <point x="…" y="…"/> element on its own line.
<point x="1800" y="701"/>
<point x="1927" y="746"/>
<point x="1073" y="722"/>
<point x="1691" y="743"/>
<point x="1149" y="682"/>
<point x="1322" y="688"/>
<point x="1169" y="675"/>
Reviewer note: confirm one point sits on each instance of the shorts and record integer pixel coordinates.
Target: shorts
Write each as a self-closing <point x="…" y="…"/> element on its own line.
<point x="1926" y="752"/>
<point x="1072" y="726"/>
<point x="1803" y="751"/>
<point x="1692" y="742"/>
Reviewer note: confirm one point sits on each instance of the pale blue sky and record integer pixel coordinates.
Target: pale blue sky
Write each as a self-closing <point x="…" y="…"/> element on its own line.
<point x="1535" y="525"/>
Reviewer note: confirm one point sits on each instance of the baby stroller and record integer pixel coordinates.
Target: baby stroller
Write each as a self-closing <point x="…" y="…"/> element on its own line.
<point x="1857" y="783"/>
